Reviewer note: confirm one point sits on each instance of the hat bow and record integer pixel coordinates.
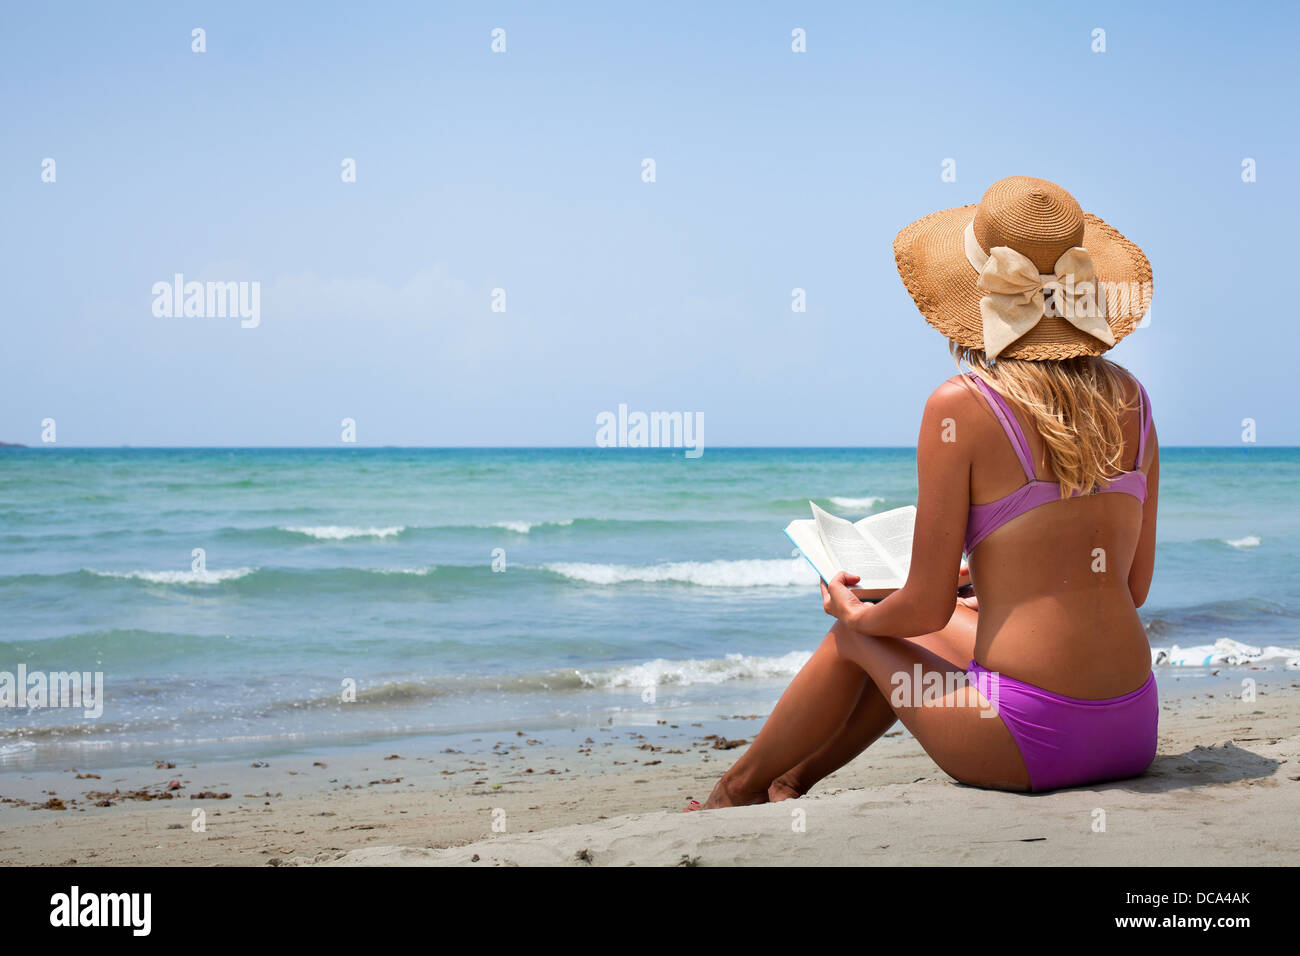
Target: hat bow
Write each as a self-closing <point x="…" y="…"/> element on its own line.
<point x="1014" y="299"/>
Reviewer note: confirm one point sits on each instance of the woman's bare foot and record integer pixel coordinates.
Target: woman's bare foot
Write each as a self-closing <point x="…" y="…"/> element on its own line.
<point x="781" y="790"/>
<point x="726" y="794"/>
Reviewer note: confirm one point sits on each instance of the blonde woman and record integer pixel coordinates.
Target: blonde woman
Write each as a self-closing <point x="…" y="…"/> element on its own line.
<point x="1039" y="463"/>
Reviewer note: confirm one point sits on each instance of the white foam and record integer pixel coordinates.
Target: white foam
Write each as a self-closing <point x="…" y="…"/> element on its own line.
<point x="709" y="671"/>
<point x="857" y="504"/>
<point x="1224" y="651"/>
<point x="178" y="577"/>
<point x="709" y="574"/>
<point x="341" y="533"/>
<point x="1250" y="541"/>
<point x="523" y="527"/>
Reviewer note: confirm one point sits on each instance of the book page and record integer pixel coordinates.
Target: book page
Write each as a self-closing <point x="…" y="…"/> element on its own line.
<point x="849" y="551"/>
<point x="803" y="533"/>
<point x="892" y="532"/>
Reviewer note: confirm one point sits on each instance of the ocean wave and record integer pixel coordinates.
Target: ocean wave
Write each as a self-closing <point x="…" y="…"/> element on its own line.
<point x="398" y="693"/>
<point x="683" y="673"/>
<point x="177" y="577"/>
<point x="171" y="705"/>
<point x="1213" y="618"/>
<point x="1250" y="541"/>
<point x="343" y="533"/>
<point x="22" y="737"/>
<point x="308" y="535"/>
<point x="857" y="504"/>
<point x="1224" y="651"/>
<point x="281" y="581"/>
<point x="331" y="580"/>
<point x="523" y="527"/>
<point x="779" y="572"/>
<point x="119" y="649"/>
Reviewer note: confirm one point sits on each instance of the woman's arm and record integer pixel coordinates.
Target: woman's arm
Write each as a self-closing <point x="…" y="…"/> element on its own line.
<point x="1144" y="558"/>
<point x="926" y="602"/>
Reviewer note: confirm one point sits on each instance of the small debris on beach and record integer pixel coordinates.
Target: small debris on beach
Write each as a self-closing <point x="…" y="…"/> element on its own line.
<point x="103" y="798"/>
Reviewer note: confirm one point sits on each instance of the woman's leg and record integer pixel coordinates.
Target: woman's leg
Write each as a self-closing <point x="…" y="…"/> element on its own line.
<point x="812" y="710"/>
<point x="873" y="715"/>
<point x="870" y="719"/>
<point x="828" y="715"/>
<point x="957" y="727"/>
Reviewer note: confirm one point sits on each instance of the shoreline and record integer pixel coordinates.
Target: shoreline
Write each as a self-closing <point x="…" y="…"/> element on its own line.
<point x="677" y="716"/>
<point x="1225" y="768"/>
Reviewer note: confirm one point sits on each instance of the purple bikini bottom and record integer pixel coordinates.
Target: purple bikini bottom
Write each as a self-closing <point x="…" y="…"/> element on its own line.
<point x="1067" y="742"/>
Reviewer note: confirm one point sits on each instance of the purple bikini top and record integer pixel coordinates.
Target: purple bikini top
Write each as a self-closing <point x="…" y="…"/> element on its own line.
<point x="986" y="518"/>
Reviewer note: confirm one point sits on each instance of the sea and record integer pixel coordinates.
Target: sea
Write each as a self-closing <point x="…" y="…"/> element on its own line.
<point x="244" y="603"/>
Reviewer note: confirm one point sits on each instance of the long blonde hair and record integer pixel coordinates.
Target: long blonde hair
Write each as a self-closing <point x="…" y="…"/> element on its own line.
<point x="1075" y="406"/>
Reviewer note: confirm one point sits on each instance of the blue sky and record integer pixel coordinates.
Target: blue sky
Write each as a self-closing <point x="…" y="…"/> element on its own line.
<point x="522" y="171"/>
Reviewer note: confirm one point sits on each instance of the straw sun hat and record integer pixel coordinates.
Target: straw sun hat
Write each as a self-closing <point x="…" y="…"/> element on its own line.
<point x="1025" y="274"/>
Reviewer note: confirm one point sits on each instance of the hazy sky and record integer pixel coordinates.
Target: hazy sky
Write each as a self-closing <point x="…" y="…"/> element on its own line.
<point x="522" y="171"/>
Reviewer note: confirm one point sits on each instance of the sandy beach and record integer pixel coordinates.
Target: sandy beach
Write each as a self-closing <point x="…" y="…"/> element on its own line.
<point x="1225" y="789"/>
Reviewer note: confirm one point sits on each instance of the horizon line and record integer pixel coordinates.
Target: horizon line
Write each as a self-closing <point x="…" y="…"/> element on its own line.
<point x="55" y="446"/>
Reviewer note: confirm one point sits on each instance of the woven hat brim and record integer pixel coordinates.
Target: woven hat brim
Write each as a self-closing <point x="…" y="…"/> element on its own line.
<point x="931" y="258"/>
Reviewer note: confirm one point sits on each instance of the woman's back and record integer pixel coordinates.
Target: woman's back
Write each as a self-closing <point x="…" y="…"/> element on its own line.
<point x="1057" y="583"/>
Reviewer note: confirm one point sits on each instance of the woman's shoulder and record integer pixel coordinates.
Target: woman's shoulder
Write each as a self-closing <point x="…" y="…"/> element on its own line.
<point x="952" y="395"/>
<point x="956" y="400"/>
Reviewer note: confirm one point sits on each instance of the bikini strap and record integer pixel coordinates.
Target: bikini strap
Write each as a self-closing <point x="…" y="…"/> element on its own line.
<point x="1144" y="424"/>
<point x="1009" y="425"/>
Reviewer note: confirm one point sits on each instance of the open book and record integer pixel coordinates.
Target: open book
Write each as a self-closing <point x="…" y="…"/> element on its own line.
<point x="878" y="548"/>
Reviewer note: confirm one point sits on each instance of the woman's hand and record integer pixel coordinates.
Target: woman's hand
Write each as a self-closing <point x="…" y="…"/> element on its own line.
<point x="841" y="603"/>
<point x="967" y="598"/>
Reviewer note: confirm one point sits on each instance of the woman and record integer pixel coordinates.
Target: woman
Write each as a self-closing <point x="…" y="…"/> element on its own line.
<point x="1041" y="465"/>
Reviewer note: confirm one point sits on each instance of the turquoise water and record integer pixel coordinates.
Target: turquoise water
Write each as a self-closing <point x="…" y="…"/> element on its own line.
<point x="637" y="584"/>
